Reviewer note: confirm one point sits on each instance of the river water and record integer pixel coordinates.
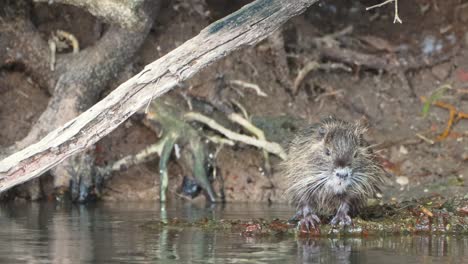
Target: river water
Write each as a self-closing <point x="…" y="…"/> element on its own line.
<point x="114" y="233"/>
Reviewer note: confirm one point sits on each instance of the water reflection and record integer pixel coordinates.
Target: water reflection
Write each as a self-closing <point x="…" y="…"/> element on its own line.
<point x="113" y="233"/>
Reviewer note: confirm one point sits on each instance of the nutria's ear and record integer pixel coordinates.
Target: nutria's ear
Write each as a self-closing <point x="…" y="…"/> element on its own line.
<point x="328" y="119"/>
<point x="361" y="125"/>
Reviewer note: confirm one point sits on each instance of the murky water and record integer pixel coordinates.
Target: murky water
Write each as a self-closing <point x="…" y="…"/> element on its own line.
<point x="113" y="233"/>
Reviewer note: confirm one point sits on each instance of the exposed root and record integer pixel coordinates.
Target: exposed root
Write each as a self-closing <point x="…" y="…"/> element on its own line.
<point x="247" y="125"/>
<point x="312" y="66"/>
<point x="53" y="52"/>
<point x="248" y="85"/>
<point x="220" y="140"/>
<point x="168" y="114"/>
<point x="131" y="160"/>
<point x="167" y="146"/>
<point x="131" y="15"/>
<point x="271" y="147"/>
<point x="71" y="38"/>
<point x="75" y="81"/>
<point x="241" y="107"/>
<point x="56" y="44"/>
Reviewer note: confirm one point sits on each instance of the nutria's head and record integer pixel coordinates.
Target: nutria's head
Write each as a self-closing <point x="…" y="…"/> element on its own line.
<point x="329" y="159"/>
<point x="343" y="153"/>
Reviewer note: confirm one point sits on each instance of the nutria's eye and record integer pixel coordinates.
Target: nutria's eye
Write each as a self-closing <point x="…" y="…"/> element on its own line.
<point x="321" y="131"/>
<point x="327" y="152"/>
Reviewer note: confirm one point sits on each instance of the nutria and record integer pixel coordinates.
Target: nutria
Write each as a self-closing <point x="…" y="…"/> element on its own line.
<point x="331" y="169"/>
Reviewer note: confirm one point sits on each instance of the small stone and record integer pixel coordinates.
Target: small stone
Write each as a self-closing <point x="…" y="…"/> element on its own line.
<point x="403" y="150"/>
<point x="402" y="180"/>
<point x="441" y="71"/>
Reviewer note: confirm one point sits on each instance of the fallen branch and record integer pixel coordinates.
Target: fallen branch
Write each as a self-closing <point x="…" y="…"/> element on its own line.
<point x="247" y="26"/>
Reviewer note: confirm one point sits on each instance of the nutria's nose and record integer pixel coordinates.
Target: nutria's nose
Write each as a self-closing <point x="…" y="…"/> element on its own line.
<point x="342" y="174"/>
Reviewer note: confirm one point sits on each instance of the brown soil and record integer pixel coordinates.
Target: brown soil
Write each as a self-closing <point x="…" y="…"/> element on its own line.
<point x="21" y="103"/>
<point x="394" y="111"/>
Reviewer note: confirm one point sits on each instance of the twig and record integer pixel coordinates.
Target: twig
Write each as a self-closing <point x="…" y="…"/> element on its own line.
<point x="428" y="140"/>
<point x="271" y="147"/>
<point x="396" y="17"/>
<point x="312" y="66"/>
<point x="70" y="37"/>
<point x="455" y="116"/>
<point x="248" y="85"/>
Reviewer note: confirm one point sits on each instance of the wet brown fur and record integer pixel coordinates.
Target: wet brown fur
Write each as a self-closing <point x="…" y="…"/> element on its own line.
<point x="308" y="169"/>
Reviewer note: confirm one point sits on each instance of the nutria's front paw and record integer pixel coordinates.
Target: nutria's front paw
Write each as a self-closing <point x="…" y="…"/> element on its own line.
<point x="309" y="221"/>
<point x="342" y="220"/>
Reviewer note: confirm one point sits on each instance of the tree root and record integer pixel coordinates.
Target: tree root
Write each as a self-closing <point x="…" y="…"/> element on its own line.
<point x="75" y="83"/>
<point x="312" y="66"/>
<point x="168" y="115"/>
<point x="131" y="15"/>
<point x="271" y="147"/>
<point x="247" y="125"/>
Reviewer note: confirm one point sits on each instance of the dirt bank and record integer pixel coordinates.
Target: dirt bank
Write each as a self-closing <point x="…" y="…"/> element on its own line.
<point x="432" y="40"/>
